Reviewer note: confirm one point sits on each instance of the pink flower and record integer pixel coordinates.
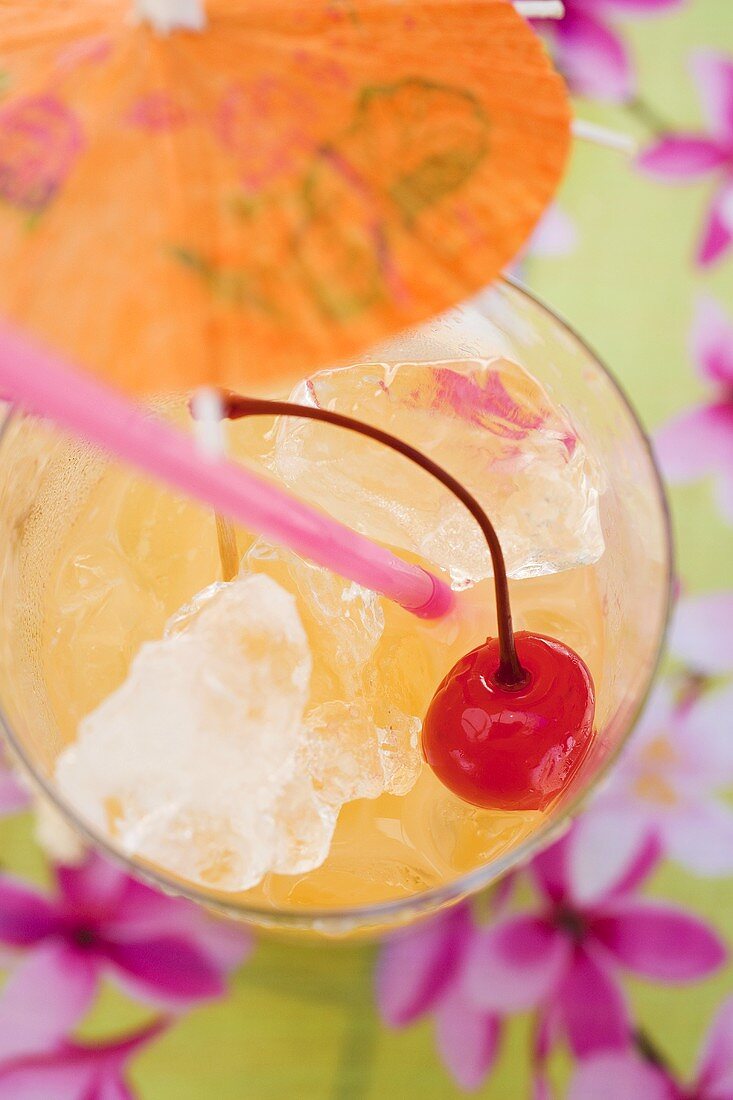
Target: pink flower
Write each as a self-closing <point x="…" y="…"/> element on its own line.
<point x="102" y="923"/>
<point x="701" y="634"/>
<point x="626" y="1074"/>
<point x="700" y="442"/>
<point x="40" y="139"/>
<point x="668" y="785"/>
<point x="679" y="158"/>
<point x="589" y="51"/>
<point x="13" y="797"/>
<point x="76" y="1071"/>
<point x="555" y="236"/>
<point x="565" y="958"/>
<point x="421" y="971"/>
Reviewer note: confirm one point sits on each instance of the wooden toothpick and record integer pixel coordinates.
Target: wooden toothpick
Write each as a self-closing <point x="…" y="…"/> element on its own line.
<point x="540" y="9"/>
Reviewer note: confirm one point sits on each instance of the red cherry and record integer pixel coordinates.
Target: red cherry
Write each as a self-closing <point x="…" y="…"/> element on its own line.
<point x="511" y="747"/>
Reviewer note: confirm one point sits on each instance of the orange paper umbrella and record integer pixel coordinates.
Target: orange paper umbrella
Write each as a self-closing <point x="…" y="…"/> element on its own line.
<point x="268" y="186"/>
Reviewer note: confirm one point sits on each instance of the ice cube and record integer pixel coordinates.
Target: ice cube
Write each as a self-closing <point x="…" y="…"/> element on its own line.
<point x="305" y="827"/>
<point x="235" y="740"/>
<point x="342" y="753"/>
<point x="399" y="752"/>
<point x="489" y="423"/>
<point x="360" y="744"/>
<point x="344" y="621"/>
<point x="188" y="762"/>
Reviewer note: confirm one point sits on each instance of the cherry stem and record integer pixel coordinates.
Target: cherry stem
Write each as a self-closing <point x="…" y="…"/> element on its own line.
<point x="510" y="673"/>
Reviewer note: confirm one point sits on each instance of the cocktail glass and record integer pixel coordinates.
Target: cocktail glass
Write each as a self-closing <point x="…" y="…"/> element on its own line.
<point x="631" y="584"/>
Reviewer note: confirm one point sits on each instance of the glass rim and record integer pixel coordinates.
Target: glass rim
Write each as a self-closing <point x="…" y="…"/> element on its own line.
<point x="343" y="920"/>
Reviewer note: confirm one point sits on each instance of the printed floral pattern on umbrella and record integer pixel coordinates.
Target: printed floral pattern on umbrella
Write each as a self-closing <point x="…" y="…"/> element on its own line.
<point x="297" y="180"/>
<point x="40" y="138"/>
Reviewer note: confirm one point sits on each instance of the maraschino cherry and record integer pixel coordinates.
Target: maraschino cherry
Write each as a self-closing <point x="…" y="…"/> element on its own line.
<point x="512" y="722"/>
<point x="511" y="746"/>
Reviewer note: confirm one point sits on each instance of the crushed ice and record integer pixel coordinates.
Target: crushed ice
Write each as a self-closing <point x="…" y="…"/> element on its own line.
<point x="224" y="755"/>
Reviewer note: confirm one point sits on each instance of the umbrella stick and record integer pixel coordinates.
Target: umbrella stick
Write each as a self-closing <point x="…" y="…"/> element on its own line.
<point x="602" y="135"/>
<point x="539" y="9"/>
<point x="45" y="385"/>
<point x="226" y="538"/>
<point x="208" y="414"/>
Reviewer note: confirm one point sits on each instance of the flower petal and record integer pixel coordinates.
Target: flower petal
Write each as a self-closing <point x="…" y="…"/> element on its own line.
<point x="655" y="719"/>
<point x="713" y="74"/>
<point x="550" y="868"/>
<point x="56" y="1078"/>
<point x="715" y="1068"/>
<point x="26" y="916"/>
<point x="696" y="443"/>
<point x="700" y="837"/>
<point x="638" y="871"/>
<point x="701" y="635"/>
<point x="555" y="235"/>
<point x="143" y="913"/>
<point x="227" y="944"/>
<point x="660" y="942"/>
<point x="547" y="1034"/>
<point x="165" y="971"/>
<point x="711" y="342"/>
<point x="718" y="230"/>
<point x="593" y="58"/>
<point x="92" y="888"/>
<point x="111" y="1087"/>
<point x="701" y="735"/>
<point x="606" y="845"/>
<point x="615" y="1074"/>
<point x="44" y="998"/>
<point x="415" y="967"/>
<point x="515" y="964"/>
<point x="724" y="494"/>
<point x="13" y="796"/>
<point x="467" y="1039"/>
<point x="541" y="1087"/>
<point x="681" y="157"/>
<point x="75" y="1071"/>
<point x="592" y="1007"/>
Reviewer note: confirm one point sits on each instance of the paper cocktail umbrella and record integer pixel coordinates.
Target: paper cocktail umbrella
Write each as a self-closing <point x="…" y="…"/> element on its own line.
<point x="236" y="192"/>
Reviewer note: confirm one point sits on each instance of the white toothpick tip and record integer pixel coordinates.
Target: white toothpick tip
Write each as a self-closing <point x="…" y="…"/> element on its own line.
<point x="170" y="15"/>
<point x="208" y="413"/>
<point x="540" y="9"/>
<point x="601" y="135"/>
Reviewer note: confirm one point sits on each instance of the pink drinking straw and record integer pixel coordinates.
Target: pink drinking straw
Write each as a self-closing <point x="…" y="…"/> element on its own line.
<point x="44" y="385"/>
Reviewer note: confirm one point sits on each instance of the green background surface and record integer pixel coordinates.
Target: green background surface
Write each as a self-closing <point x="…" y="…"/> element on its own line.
<point x="300" y="1019"/>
